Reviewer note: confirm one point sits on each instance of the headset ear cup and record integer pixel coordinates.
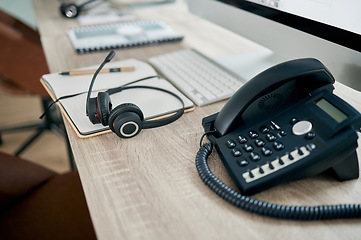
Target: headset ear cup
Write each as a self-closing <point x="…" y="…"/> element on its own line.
<point x="104" y="106"/>
<point x="93" y="114"/>
<point x="127" y="125"/>
<point x="123" y="113"/>
<point x="69" y="10"/>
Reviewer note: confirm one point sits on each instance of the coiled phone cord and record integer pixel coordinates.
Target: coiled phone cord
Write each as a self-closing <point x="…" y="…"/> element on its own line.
<point x="269" y="209"/>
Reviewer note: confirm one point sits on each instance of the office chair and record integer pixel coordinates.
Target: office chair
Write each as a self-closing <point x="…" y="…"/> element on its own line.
<point x="22" y="63"/>
<point x="37" y="203"/>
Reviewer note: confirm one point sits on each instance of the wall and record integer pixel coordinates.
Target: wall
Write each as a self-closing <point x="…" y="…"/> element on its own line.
<point x="20" y="9"/>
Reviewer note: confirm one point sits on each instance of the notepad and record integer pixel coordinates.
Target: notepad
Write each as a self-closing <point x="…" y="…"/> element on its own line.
<point x="121" y="35"/>
<point x="152" y="103"/>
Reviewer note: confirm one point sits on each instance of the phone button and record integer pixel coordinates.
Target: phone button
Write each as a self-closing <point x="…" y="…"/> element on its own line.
<point x="278" y="146"/>
<point x="264" y="129"/>
<point x="254" y="157"/>
<point x="266" y="151"/>
<point x="275" y="125"/>
<point x="231" y="144"/>
<point x="243" y="163"/>
<point x="248" y="148"/>
<point x="242" y="139"/>
<point x="283" y="133"/>
<point x="236" y="152"/>
<point x="310" y="135"/>
<point x="253" y="134"/>
<point x="271" y="137"/>
<point x="301" y="128"/>
<point x="293" y="120"/>
<point x="259" y="143"/>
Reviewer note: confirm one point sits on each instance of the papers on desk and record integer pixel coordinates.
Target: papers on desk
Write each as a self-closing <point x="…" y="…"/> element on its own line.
<point x="103" y="13"/>
<point x="102" y="18"/>
<point x="121" y="35"/>
<point x="153" y="103"/>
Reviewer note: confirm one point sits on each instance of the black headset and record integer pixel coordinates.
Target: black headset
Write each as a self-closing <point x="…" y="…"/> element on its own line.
<point x="72" y="10"/>
<point x="127" y="119"/>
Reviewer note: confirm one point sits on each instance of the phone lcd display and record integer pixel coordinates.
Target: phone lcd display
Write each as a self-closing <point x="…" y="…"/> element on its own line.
<point x="331" y="110"/>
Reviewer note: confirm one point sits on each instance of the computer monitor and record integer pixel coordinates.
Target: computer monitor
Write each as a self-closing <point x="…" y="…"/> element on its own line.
<point x="327" y="30"/>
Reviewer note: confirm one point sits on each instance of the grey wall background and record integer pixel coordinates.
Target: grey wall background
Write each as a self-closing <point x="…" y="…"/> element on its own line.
<point x="20" y="9"/>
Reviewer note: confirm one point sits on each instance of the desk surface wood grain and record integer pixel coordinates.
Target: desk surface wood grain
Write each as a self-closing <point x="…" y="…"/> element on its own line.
<point x="147" y="187"/>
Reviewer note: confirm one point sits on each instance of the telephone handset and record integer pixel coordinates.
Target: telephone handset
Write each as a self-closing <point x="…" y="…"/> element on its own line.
<point x="284" y="124"/>
<point x="299" y="78"/>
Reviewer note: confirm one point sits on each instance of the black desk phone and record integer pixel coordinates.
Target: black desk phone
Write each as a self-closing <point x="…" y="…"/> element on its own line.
<point x="284" y="124"/>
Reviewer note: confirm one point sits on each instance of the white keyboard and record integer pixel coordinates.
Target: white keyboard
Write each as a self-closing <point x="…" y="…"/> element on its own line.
<point x="199" y="78"/>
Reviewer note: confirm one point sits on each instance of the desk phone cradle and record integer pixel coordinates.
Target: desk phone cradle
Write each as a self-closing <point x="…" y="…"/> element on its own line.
<point x="285" y="124"/>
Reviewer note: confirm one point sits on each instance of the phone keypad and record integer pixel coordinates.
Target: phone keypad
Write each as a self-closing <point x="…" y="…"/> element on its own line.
<point x="260" y="151"/>
<point x="256" y="144"/>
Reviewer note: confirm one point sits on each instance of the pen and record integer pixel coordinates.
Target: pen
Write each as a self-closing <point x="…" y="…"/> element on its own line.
<point x="104" y="70"/>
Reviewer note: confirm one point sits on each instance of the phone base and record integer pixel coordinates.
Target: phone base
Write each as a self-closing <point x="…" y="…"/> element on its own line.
<point x="347" y="169"/>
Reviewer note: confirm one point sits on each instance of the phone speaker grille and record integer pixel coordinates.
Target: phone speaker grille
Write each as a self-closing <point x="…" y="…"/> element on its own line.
<point x="270" y="101"/>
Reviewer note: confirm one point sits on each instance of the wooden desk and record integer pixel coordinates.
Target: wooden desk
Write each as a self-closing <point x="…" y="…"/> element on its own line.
<point x="147" y="187"/>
